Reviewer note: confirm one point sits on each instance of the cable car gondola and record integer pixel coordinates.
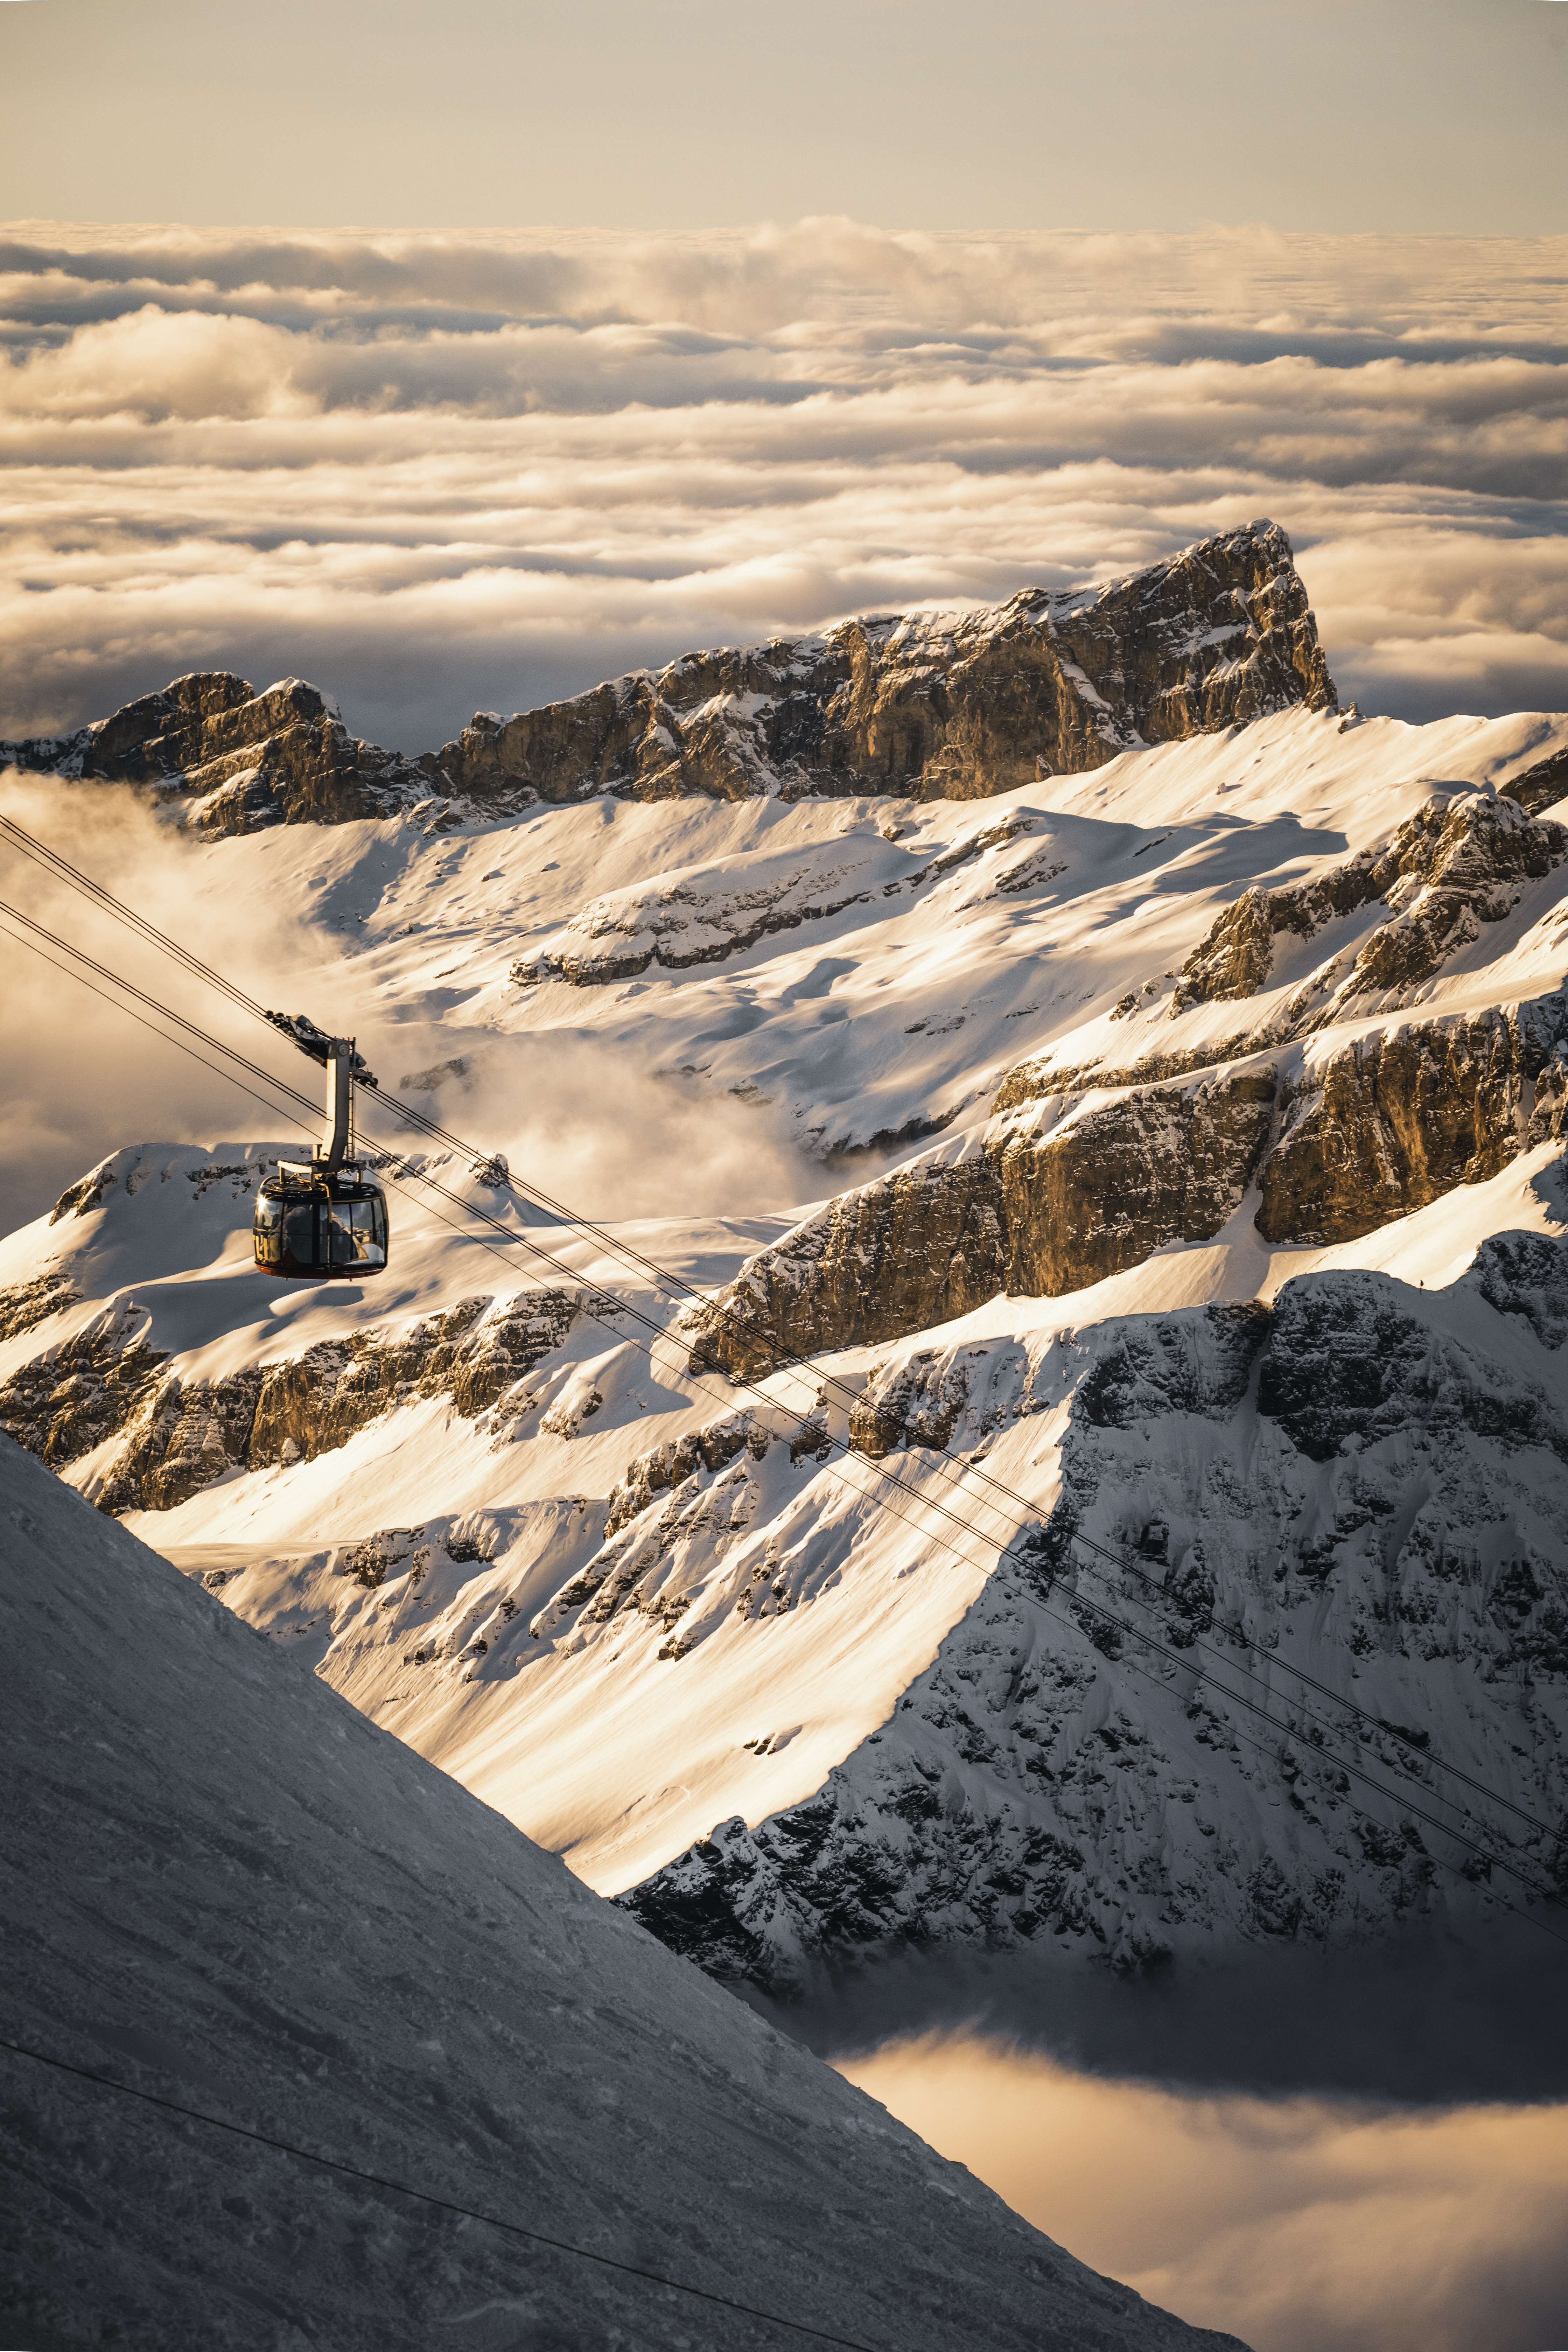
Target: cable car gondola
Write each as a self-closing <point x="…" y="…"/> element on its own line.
<point x="324" y="1220"/>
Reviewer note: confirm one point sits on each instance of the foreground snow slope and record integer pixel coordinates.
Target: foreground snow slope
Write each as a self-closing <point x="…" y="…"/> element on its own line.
<point x="236" y="1894"/>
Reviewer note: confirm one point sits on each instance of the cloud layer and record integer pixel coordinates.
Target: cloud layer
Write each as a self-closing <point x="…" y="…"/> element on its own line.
<point x="441" y="472"/>
<point x="1293" y="2222"/>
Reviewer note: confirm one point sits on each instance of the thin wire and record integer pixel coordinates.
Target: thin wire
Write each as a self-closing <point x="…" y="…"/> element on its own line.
<point x="443" y="2204"/>
<point x="178" y="1043"/>
<point x="922" y="1501"/>
<point x="1378" y="1722"/>
<point x="1239" y="1698"/>
<point x="42" y="855"/>
<point x="181" y="1020"/>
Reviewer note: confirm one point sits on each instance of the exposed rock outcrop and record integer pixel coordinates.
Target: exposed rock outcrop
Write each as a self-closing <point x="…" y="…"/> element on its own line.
<point x="1385" y="1124"/>
<point x="1159" y="1164"/>
<point x="1349" y="1365"/>
<point x="909" y="1251"/>
<point x="1030" y="1213"/>
<point x="234" y="761"/>
<point x="29" y="1303"/>
<point x="180" y="1436"/>
<point x="690" y="920"/>
<point x="1542" y="786"/>
<point x="1457" y="863"/>
<point x="1395" y="1119"/>
<point x="1454" y="865"/>
<point x="936" y="705"/>
<point x="714" y="1447"/>
<point x="68" y="1399"/>
<point x="1386" y="1509"/>
<point x="1525" y="1274"/>
<point x="80" y="1199"/>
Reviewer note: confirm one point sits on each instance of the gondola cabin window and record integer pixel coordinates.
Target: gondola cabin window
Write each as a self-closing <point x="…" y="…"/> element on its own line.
<point x="358" y="1232"/>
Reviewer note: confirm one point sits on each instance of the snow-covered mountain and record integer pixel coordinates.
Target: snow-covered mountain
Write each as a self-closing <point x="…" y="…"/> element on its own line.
<point x="244" y="1900"/>
<point x="1194" y="1313"/>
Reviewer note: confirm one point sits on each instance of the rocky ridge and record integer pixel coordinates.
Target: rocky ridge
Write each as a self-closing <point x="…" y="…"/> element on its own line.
<point x="924" y="706"/>
<point x="680" y="922"/>
<point x="179" y="1436"/>
<point x="944" y="706"/>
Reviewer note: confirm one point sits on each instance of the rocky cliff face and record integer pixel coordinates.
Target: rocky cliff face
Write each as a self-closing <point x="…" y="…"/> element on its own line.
<point x="234" y="761"/>
<point x="70" y="1398"/>
<point x="954" y="707"/>
<point x="180" y="1436"/>
<point x="1355" y="1483"/>
<point x="1339" y="1145"/>
<point x="1395" y="1119"/>
<point x="1543" y="784"/>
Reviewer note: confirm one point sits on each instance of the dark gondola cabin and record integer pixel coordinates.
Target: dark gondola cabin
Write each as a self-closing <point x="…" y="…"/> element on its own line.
<point x="323" y="1220"/>
<point x="316" y="1229"/>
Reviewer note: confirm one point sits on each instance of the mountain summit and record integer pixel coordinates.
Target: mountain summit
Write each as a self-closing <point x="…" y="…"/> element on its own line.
<point x="930" y="705"/>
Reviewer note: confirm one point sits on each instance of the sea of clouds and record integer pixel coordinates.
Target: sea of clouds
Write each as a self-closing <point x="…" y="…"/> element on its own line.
<point x="437" y="473"/>
<point x="1296" y="2223"/>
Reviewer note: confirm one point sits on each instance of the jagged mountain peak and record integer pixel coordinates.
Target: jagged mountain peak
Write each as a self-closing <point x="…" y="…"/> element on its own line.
<point x="927" y="705"/>
<point x="937" y="704"/>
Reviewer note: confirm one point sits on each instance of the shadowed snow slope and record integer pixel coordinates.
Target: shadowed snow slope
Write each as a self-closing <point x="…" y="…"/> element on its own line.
<point x="244" y="1898"/>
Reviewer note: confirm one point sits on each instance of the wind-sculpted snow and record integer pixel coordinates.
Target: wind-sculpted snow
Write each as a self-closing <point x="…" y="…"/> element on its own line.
<point x="686" y="919"/>
<point x="244" y="1900"/>
<point x="1368" y="1484"/>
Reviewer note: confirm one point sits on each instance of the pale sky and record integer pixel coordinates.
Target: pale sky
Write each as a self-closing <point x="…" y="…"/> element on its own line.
<point x="1350" y="114"/>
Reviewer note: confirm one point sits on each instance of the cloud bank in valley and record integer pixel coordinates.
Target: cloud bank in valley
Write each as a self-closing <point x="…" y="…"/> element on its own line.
<point x="436" y="473"/>
<point x="1295" y="2222"/>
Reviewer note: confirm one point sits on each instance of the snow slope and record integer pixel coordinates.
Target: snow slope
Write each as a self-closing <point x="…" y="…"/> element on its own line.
<point x="241" y="1897"/>
<point x="625" y="1603"/>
